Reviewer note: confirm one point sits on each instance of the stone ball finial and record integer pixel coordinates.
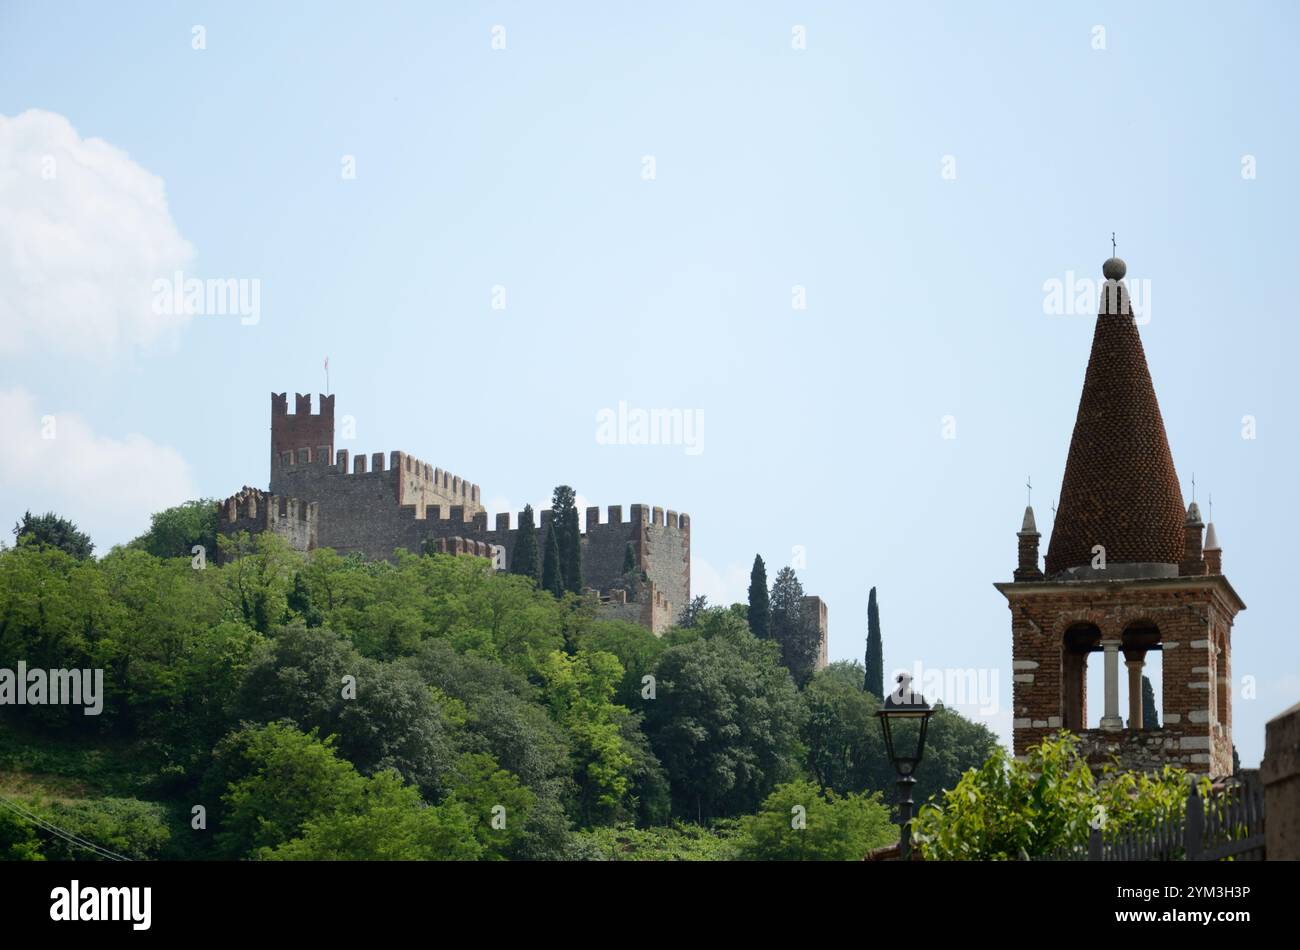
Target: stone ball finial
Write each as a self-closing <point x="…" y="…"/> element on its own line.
<point x="1114" y="269"/>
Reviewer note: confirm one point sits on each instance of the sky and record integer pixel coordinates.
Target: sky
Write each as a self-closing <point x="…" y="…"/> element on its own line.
<point x="826" y="233"/>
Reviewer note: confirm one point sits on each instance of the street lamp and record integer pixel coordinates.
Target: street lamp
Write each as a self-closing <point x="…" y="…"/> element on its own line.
<point x="904" y="705"/>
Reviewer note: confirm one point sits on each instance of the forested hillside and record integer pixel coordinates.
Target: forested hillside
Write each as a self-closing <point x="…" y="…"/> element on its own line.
<point x="282" y="706"/>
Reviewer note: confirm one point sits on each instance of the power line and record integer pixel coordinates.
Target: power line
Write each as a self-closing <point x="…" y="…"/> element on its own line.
<point x="61" y="833"/>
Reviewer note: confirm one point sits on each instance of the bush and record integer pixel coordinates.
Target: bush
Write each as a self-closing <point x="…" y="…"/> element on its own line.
<point x="1007" y="809"/>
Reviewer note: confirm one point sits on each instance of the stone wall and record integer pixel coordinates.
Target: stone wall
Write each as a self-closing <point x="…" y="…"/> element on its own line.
<point x="254" y="511"/>
<point x="1280" y="773"/>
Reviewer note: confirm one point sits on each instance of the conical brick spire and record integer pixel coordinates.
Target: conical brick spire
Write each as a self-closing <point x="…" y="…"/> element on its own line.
<point x="1120" y="489"/>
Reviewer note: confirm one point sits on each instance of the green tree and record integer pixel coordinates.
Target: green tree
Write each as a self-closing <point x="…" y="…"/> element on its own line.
<point x="874" y="680"/>
<point x="794" y="627"/>
<point x="388" y="823"/>
<point x="175" y="531"/>
<point x="760" y="616"/>
<point x="381" y="713"/>
<point x="281" y="778"/>
<point x="1010" y="808"/>
<point x="725" y="723"/>
<point x="18" y="841"/>
<point x="801" y="822"/>
<point x="523" y="559"/>
<point x="569" y="537"/>
<point x="1150" y="715"/>
<point x="49" y="530"/>
<point x="629" y="558"/>
<point x="580" y="691"/>
<point x="495" y="803"/>
<point x="552" y="575"/>
<point x="692" y="611"/>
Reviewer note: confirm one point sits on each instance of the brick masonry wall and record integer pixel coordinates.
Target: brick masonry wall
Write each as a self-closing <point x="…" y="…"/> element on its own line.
<point x="1191" y="615"/>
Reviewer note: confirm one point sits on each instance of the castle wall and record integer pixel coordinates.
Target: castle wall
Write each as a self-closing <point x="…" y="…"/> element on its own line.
<point x="369" y="510"/>
<point x="254" y="511"/>
<point x="659" y="539"/>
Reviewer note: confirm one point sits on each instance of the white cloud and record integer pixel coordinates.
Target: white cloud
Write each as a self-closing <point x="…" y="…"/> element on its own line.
<point x="108" y="486"/>
<point x="84" y="233"/>
<point x="723" y="588"/>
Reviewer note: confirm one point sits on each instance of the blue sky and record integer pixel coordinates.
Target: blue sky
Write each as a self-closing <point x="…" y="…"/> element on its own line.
<point x="774" y="167"/>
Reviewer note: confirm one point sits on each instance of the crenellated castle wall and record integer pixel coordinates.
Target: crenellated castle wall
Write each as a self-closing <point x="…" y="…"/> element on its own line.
<point x="254" y="510"/>
<point x="375" y="505"/>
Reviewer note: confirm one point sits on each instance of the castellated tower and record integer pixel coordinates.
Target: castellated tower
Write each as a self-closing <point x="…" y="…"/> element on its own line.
<point x="1125" y="575"/>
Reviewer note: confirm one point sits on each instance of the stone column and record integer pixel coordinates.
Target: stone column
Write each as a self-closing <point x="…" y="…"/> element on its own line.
<point x="1134" y="692"/>
<point x="1111" y="721"/>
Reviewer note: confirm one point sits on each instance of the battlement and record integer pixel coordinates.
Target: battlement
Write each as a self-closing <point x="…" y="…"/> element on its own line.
<point x="254" y="511"/>
<point x="416" y="481"/>
<point x="638" y="514"/>
<point x="302" y="405"/>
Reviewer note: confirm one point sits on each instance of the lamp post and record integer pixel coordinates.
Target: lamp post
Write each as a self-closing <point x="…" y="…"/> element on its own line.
<point x="904" y="705"/>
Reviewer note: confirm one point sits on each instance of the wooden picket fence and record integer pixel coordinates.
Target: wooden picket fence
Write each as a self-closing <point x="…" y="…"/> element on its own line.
<point x="1227" y="825"/>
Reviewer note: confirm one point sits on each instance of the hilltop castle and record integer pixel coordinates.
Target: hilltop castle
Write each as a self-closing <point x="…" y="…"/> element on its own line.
<point x="380" y="504"/>
<point x="1127" y="572"/>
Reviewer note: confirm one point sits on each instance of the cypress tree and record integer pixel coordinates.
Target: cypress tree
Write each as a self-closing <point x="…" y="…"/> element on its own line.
<point x="760" y="614"/>
<point x="524" y="560"/>
<point x="1150" y="718"/>
<point x="629" y="559"/>
<point x="551" y="564"/>
<point x="565" y="523"/>
<point x="793" y="626"/>
<point x="874" y="681"/>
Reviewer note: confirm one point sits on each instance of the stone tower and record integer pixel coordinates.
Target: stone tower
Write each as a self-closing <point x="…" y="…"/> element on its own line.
<point x="1125" y="575"/>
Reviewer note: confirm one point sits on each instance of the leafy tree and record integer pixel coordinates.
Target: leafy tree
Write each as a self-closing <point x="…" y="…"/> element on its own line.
<point x="175" y="531"/>
<point x="637" y="650"/>
<point x="569" y="538"/>
<point x="794" y="627"/>
<point x="1150" y="715"/>
<point x="692" y="611"/>
<point x="800" y="822"/>
<point x="382" y="714"/>
<point x="524" y="557"/>
<point x="500" y="714"/>
<point x="281" y="778"/>
<point x="846" y="749"/>
<point x="580" y="692"/>
<point x="1009" y="808"/>
<point x="49" y="530"/>
<point x="552" y="574"/>
<point x="257" y="573"/>
<point x="495" y="803"/>
<point x="760" y="615"/>
<point x="18" y="841"/>
<point x="389" y="823"/>
<point x="725" y="724"/>
<point x="874" y="680"/>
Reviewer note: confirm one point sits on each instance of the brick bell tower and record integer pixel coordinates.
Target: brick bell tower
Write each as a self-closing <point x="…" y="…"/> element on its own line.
<point x="307" y="436"/>
<point x="1125" y="575"/>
